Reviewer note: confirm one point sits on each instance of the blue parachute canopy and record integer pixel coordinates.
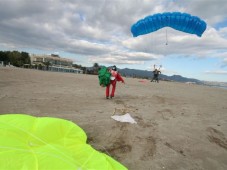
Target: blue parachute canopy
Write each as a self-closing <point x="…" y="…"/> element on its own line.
<point x="179" y="21"/>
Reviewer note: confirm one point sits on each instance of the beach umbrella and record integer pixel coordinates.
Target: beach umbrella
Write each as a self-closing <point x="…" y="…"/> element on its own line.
<point x="29" y="142"/>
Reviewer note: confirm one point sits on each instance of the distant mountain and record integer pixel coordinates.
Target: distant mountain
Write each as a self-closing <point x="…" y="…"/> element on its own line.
<point x="177" y="78"/>
<point x="149" y="74"/>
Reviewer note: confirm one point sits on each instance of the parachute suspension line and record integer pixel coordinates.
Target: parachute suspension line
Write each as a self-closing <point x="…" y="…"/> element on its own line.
<point x="166" y="44"/>
<point x="149" y="45"/>
<point x="154" y="43"/>
<point x="166" y="37"/>
<point x="156" y="67"/>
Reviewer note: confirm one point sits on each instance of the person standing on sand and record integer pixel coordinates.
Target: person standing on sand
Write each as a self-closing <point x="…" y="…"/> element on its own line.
<point x="115" y="76"/>
<point x="156" y="73"/>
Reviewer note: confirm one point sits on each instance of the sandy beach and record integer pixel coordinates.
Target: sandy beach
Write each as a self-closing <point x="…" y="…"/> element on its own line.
<point x="179" y="126"/>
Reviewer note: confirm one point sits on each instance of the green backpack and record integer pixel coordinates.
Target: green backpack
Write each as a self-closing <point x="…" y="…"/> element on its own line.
<point x="104" y="77"/>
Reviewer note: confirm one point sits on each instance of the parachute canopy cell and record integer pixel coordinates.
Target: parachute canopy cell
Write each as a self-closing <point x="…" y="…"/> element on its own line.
<point x="29" y="142"/>
<point x="179" y="21"/>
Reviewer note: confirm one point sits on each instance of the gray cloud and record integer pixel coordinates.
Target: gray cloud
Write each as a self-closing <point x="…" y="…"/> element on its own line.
<point x="124" y="58"/>
<point x="210" y="10"/>
<point x="224" y="63"/>
<point x="99" y="28"/>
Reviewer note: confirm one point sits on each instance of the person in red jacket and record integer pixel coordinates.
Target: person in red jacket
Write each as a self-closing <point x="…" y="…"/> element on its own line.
<point x="115" y="76"/>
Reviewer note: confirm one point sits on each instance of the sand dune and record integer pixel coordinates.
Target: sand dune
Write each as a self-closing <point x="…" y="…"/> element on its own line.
<point x="179" y="126"/>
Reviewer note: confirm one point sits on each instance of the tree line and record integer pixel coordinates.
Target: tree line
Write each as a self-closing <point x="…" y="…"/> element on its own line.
<point x="15" y="58"/>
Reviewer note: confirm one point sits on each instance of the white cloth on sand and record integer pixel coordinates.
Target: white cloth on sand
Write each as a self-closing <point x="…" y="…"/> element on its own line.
<point x="124" y="118"/>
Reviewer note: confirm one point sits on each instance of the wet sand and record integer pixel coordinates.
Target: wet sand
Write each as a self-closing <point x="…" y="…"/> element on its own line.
<point x="179" y="126"/>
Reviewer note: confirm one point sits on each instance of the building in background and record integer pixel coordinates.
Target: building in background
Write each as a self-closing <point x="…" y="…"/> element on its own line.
<point x="53" y="62"/>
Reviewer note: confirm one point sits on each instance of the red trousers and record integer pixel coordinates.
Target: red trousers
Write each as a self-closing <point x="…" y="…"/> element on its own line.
<point x="113" y="83"/>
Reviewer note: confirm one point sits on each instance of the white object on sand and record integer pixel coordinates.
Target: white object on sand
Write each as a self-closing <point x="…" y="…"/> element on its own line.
<point x="124" y="118"/>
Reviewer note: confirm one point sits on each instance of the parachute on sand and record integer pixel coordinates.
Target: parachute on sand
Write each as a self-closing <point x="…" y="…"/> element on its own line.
<point x="29" y="142"/>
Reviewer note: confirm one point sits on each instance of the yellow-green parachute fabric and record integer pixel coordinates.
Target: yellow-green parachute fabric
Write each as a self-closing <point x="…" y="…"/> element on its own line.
<point x="32" y="143"/>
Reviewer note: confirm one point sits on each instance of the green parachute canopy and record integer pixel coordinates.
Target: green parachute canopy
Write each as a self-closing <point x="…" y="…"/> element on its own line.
<point x="104" y="76"/>
<point x="30" y="143"/>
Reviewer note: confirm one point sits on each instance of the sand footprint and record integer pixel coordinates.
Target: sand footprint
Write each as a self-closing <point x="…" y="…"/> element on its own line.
<point x="217" y="137"/>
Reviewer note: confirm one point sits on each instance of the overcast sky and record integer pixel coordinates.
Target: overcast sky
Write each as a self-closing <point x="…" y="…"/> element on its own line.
<point x="98" y="31"/>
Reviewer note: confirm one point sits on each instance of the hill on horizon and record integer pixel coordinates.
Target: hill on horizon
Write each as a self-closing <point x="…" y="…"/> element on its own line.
<point x="149" y="74"/>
